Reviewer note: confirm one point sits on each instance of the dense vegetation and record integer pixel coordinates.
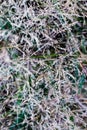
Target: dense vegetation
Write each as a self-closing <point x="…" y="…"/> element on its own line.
<point x="43" y="65"/>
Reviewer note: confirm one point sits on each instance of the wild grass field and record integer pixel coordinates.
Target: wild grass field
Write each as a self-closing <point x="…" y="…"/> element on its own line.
<point x="43" y="64"/>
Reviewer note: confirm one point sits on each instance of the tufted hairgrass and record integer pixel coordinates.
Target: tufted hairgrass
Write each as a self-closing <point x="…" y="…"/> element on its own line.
<point x="43" y="65"/>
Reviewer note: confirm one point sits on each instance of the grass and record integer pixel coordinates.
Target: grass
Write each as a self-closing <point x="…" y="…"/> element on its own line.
<point x="43" y="65"/>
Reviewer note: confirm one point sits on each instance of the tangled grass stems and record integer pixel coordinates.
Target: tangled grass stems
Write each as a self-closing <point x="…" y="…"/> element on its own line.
<point x="43" y="65"/>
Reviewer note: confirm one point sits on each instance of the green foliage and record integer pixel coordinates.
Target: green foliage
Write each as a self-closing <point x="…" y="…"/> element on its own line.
<point x="19" y="98"/>
<point x="72" y="118"/>
<point x="1" y="22"/>
<point x="5" y="24"/>
<point x="18" y="122"/>
<point x="54" y="1"/>
<point x="76" y="54"/>
<point x="81" y="81"/>
<point x="13" y="53"/>
<point x="83" y="46"/>
<point x="74" y="73"/>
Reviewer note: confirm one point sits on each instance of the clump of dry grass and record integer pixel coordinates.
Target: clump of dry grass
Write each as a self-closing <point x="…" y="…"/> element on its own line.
<point x="43" y="65"/>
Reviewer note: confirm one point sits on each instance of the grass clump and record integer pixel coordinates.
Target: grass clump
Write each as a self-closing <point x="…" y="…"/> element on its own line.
<point x="43" y="65"/>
